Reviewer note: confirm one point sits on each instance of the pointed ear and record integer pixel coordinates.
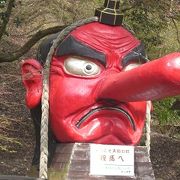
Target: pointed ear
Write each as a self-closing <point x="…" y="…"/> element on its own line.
<point x="32" y="79"/>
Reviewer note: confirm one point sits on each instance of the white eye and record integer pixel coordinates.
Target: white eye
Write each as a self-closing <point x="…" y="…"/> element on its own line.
<point x="131" y="66"/>
<point x="80" y="66"/>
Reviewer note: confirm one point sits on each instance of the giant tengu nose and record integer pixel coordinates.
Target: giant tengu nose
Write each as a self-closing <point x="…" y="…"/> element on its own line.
<point x="154" y="80"/>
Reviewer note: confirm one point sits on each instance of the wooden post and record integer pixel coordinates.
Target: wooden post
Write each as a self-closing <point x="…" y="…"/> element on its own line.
<point x="72" y="162"/>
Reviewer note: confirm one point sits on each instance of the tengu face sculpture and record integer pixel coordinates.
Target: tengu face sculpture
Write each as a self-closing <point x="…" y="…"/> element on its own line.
<point x="99" y="85"/>
<point x="83" y="115"/>
<point x="78" y="112"/>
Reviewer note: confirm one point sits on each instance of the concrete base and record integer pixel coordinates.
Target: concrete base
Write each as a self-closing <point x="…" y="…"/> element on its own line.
<point x="72" y="162"/>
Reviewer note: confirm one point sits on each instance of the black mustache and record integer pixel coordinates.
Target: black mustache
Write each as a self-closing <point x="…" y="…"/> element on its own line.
<point x="92" y="111"/>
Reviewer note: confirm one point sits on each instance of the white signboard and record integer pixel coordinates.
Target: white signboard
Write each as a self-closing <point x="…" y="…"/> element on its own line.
<point x="111" y="160"/>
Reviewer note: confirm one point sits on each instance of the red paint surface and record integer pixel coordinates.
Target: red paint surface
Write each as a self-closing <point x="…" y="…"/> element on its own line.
<point x="72" y="96"/>
<point x="107" y="39"/>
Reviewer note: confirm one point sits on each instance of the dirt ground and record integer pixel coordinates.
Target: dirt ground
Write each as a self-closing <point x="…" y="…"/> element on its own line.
<point x="16" y="145"/>
<point x="17" y="134"/>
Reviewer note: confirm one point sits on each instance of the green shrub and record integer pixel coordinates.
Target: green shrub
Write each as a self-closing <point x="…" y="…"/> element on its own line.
<point x="164" y="114"/>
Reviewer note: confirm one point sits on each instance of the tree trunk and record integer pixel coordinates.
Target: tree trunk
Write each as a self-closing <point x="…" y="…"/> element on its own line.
<point x="12" y="56"/>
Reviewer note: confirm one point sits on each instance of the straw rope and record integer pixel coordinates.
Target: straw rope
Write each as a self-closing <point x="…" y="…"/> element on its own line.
<point x="148" y="127"/>
<point x="45" y="96"/>
<point x="43" y="172"/>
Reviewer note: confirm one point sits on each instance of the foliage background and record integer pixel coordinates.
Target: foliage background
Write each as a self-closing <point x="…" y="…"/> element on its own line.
<point x="26" y="22"/>
<point x="155" y="22"/>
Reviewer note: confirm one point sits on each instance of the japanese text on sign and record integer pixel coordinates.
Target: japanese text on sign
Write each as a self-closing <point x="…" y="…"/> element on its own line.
<point x="113" y="160"/>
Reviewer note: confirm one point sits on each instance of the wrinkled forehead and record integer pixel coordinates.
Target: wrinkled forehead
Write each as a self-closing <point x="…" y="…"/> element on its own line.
<point x="106" y="38"/>
<point x="96" y="41"/>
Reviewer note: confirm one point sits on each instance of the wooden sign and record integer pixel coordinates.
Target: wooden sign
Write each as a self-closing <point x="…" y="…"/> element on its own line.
<point x="72" y="161"/>
<point x="111" y="160"/>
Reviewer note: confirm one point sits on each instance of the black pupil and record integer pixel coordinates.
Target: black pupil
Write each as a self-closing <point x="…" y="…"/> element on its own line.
<point x="88" y="67"/>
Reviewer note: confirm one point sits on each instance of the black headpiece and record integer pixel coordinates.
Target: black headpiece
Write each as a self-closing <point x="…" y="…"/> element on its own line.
<point x="110" y="13"/>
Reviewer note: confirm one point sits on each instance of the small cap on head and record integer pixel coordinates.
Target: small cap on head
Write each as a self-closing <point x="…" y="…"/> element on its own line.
<point x="110" y="13"/>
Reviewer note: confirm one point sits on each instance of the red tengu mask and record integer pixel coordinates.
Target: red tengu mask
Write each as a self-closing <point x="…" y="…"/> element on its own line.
<point x="99" y="85"/>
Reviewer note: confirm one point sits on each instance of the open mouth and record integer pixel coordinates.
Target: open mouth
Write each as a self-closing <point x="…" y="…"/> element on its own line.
<point x="98" y="109"/>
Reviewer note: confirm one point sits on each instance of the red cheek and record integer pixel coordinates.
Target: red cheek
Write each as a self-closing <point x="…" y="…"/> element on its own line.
<point x="70" y="95"/>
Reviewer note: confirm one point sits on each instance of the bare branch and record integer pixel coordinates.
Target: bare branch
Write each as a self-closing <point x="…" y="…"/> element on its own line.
<point x="12" y="56"/>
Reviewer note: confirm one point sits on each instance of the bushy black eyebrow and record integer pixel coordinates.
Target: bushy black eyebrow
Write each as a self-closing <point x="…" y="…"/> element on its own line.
<point x="138" y="53"/>
<point x="71" y="46"/>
